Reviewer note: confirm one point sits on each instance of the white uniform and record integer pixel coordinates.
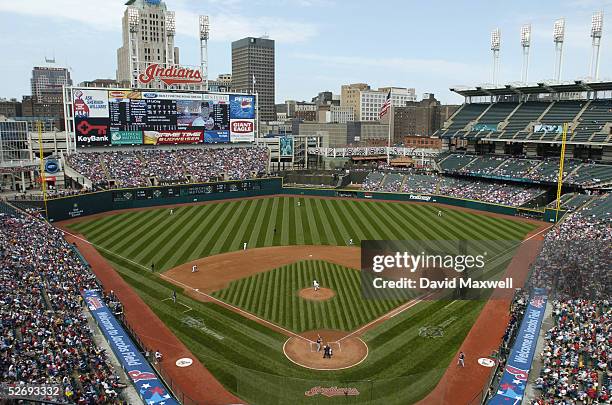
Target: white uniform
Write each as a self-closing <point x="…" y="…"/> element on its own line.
<point x="315" y="285"/>
<point x="244" y="245"/>
<point x="194" y="268"/>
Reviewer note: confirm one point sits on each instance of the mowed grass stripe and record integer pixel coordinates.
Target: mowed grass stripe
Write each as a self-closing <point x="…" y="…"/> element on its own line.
<point x="215" y="230"/>
<point x="297" y="223"/>
<point x="116" y="229"/>
<point x="238" y="234"/>
<point x="229" y="230"/>
<point x="317" y="233"/>
<point x="260" y="213"/>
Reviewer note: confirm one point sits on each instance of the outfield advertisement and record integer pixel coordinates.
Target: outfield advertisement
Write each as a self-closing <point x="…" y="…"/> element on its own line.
<point x="115" y="117"/>
<point x="514" y="380"/>
<point x="172" y="137"/>
<point x="138" y="369"/>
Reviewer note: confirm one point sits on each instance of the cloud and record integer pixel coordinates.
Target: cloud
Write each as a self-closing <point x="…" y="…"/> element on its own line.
<point x="404" y="65"/>
<point x="226" y="23"/>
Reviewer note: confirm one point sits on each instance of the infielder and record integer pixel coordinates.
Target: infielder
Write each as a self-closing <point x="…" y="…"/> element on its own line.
<point x="461" y="360"/>
<point x="319" y="340"/>
<point x="194" y="269"/>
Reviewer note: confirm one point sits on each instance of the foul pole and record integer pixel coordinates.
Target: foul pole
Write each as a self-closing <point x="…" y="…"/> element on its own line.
<point x="43" y="183"/>
<point x="560" y="178"/>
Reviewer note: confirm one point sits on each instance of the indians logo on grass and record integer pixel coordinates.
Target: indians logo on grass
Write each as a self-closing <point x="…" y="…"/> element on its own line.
<point x="332" y="391"/>
<point x="94" y="303"/>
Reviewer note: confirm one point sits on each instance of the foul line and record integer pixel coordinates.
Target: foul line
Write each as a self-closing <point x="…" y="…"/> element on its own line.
<point x="223" y="303"/>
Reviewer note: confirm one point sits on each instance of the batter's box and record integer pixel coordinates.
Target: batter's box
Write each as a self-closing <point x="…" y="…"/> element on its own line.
<point x="334" y="346"/>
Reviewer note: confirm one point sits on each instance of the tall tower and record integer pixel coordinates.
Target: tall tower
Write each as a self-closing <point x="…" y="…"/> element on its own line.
<point x="253" y="71"/>
<point x="204" y="34"/>
<point x="596" y="31"/>
<point x="526" y="45"/>
<point x="495" y="46"/>
<point x="559" y="38"/>
<point x="148" y="37"/>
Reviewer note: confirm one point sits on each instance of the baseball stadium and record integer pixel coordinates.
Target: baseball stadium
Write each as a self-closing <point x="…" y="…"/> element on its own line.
<point x="172" y="252"/>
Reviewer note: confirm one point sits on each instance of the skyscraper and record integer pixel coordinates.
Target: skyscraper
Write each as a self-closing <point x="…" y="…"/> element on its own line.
<point x="253" y="69"/>
<point x="154" y="36"/>
<point x="47" y="82"/>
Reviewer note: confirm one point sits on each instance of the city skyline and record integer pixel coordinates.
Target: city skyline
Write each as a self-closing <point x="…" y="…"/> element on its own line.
<point x="320" y="44"/>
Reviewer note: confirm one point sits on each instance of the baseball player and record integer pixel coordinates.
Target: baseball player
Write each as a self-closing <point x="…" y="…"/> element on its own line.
<point x="319" y="340"/>
<point x="244" y="246"/>
<point x="315" y="285"/>
<point x="350" y="241"/>
<point x="299" y="203"/>
<point x="461" y="360"/>
<point x="171" y="211"/>
<point x="194" y="268"/>
<point x="439" y="213"/>
<point x="174" y="296"/>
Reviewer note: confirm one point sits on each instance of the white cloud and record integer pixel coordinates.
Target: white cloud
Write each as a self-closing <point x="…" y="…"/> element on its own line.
<point x="225" y="26"/>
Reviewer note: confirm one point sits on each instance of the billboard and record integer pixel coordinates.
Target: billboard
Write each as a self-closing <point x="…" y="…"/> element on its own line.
<point x="242" y="130"/>
<point x="172" y="137"/>
<point x="242" y="106"/>
<point x="90" y="103"/>
<point x="124" y="117"/>
<point x="286" y="146"/>
<point x="126" y="137"/>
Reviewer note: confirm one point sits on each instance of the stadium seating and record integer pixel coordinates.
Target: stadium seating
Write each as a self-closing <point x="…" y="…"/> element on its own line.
<point x="483" y="165"/>
<point x="589" y="174"/>
<point x="526" y="113"/>
<point x="455" y="162"/>
<point x="593" y="120"/>
<point x="494" y="115"/>
<point x="561" y="112"/>
<point x="44" y="334"/>
<point x="150" y="166"/>
<point x="516" y="168"/>
<point x="467" y="113"/>
<point x="392" y="182"/>
<point x="372" y="181"/>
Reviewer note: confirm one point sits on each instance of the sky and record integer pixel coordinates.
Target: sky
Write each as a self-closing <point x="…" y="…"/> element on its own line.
<point x="320" y="44"/>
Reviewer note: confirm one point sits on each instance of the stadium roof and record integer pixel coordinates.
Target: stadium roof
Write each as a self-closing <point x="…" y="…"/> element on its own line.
<point x="540" y="88"/>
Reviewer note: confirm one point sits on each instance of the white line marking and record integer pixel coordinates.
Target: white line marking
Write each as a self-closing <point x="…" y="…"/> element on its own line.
<point x="327" y="369"/>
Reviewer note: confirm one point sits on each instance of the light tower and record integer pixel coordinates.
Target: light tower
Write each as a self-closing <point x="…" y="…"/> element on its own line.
<point x="134" y="24"/>
<point x="596" y="30"/>
<point x="525" y="44"/>
<point x="558" y="38"/>
<point x="495" y="45"/>
<point x="204" y="33"/>
<point x="170" y="24"/>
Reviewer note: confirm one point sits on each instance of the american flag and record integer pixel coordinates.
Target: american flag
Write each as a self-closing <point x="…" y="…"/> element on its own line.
<point x="385" y="107"/>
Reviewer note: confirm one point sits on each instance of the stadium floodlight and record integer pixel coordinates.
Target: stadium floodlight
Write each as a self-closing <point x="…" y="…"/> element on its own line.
<point x="559" y="30"/>
<point x="526" y="35"/>
<point x="204" y="27"/>
<point x="597" y="24"/>
<point x="596" y="31"/>
<point x="525" y="44"/>
<point x="495" y="39"/>
<point x="133" y="18"/>
<point x="170" y="22"/>
<point x="558" y="38"/>
<point x="204" y="35"/>
<point x="495" y="46"/>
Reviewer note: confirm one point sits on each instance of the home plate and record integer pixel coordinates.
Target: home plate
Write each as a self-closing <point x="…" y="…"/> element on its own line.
<point x="310" y="255"/>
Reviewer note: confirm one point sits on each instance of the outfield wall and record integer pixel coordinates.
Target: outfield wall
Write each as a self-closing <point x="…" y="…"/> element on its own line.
<point x="83" y="205"/>
<point x="94" y="203"/>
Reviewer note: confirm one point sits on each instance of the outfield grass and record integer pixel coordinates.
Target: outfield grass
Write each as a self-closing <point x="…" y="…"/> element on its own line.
<point x="402" y="366"/>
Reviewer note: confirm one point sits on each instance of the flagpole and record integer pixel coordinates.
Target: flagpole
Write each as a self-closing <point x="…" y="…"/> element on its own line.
<point x="389" y="139"/>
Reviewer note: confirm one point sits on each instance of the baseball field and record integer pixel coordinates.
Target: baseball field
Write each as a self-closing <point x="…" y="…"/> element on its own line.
<point x="241" y="310"/>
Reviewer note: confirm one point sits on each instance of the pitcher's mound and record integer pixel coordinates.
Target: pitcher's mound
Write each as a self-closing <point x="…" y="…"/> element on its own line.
<point x="346" y="352"/>
<point x="322" y="294"/>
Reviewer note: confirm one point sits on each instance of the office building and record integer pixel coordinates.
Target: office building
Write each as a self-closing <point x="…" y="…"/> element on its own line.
<point x="153" y="41"/>
<point x="350" y="97"/>
<point x="253" y="71"/>
<point x="10" y="108"/>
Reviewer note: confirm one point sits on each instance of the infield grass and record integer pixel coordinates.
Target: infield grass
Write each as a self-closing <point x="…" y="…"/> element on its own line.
<point x="401" y="367"/>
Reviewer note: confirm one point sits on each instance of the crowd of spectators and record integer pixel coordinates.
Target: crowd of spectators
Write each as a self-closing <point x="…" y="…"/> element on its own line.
<point x="44" y="334"/>
<point x="574" y="268"/>
<point x="499" y="193"/>
<point x="134" y="168"/>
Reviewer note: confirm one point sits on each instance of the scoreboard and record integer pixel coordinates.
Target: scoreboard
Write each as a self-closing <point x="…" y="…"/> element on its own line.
<point x="127" y="117"/>
<point x="153" y="193"/>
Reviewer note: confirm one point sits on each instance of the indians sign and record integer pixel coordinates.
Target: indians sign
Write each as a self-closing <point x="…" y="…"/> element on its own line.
<point x="170" y="75"/>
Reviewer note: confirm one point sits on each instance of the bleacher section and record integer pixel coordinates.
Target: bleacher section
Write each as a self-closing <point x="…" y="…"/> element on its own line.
<point x="559" y="113"/>
<point x="593" y="120"/>
<point x="547" y="171"/>
<point x="526" y="113"/>
<point x="491" y="119"/>
<point x="372" y="181"/>
<point x="468" y="113"/>
<point x="392" y="182"/>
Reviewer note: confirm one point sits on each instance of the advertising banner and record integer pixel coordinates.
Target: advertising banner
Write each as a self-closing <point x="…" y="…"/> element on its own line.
<point x="242" y="106"/>
<point x="172" y="137"/>
<point x="216" y="136"/>
<point x="242" y="130"/>
<point x="485" y="127"/>
<point x="90" y="103"/>
<point x="126" y="137"/>
<point x="138" y="369"/>
<point x="286" y="146"/>
<point x="118" y="96"/>
<point x="171" y="96"/>
<point x="544" y="129"/>
<point x="514" y="380"/>
<point x="91" y="131"/>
